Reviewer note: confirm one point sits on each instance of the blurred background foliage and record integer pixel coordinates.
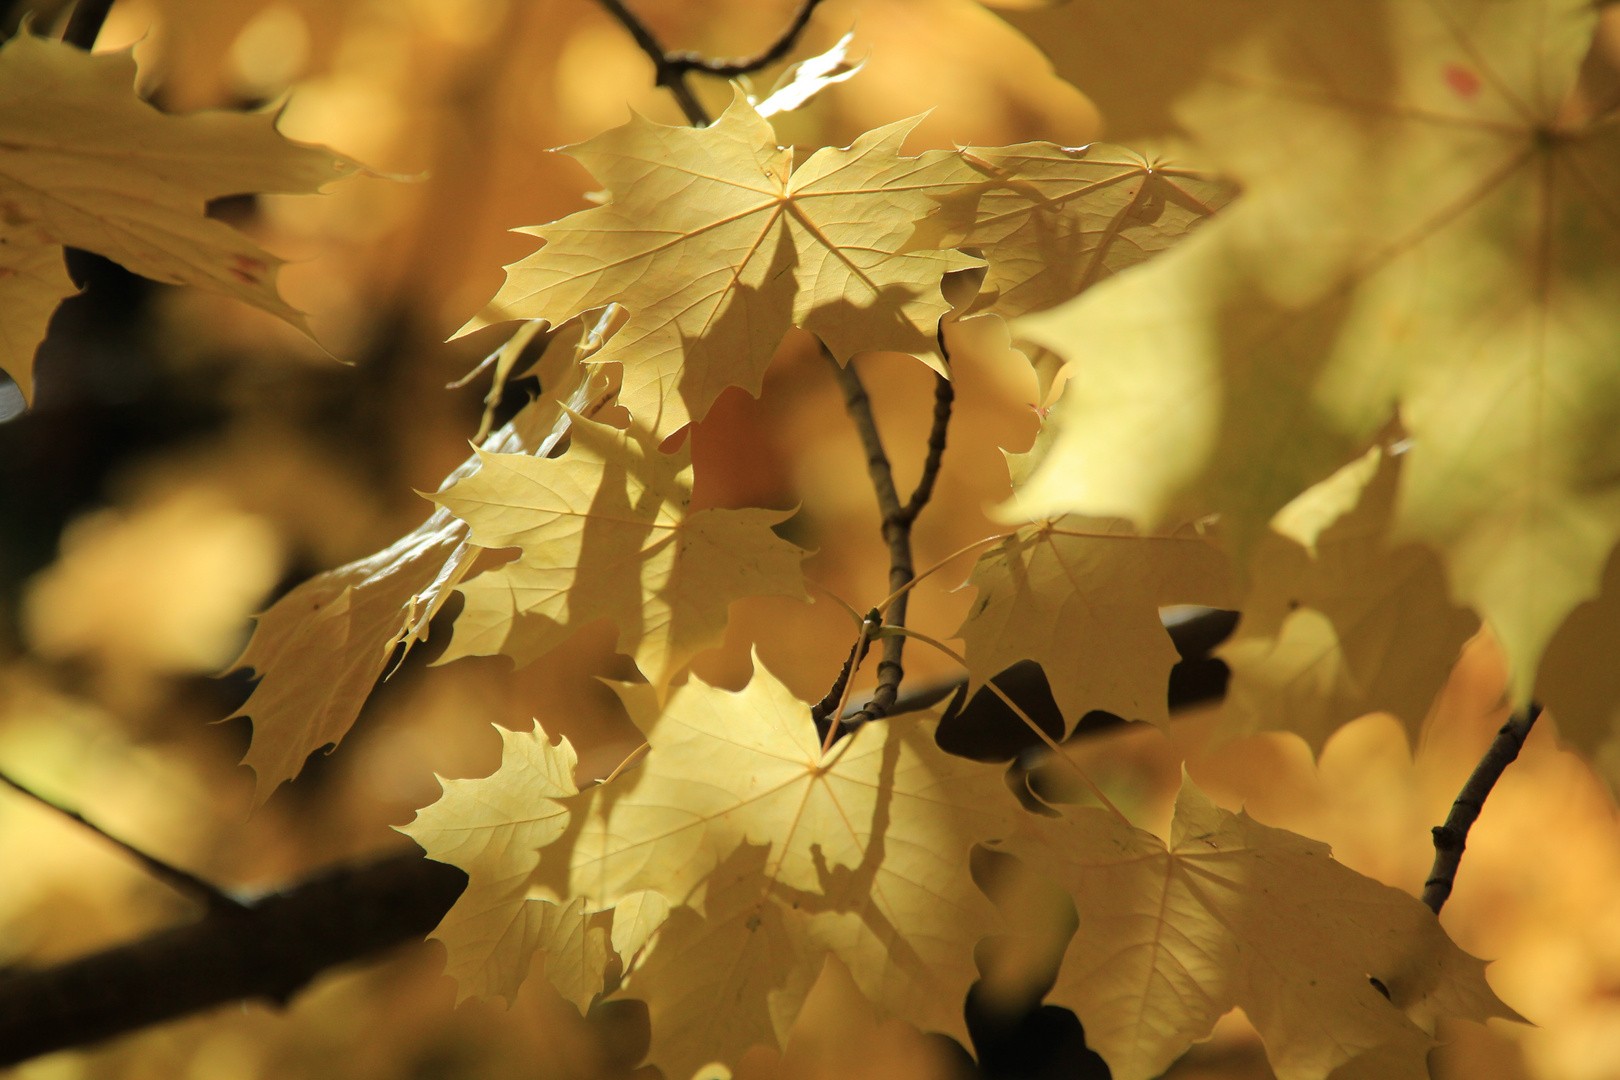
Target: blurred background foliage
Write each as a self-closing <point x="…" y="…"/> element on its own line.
<point x="190" y="459"/>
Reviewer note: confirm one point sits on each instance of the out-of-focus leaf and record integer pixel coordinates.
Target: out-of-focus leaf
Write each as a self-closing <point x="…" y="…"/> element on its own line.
<point x="1428" y="227"/>
<point x="87" y="164"/>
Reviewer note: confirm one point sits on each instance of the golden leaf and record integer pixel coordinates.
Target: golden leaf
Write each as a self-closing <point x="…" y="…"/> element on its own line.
<point x="1236" y="914"/>
<point x="605" y="533"/>
<point x="87" y="164"/>
<point x="717" y="246"/>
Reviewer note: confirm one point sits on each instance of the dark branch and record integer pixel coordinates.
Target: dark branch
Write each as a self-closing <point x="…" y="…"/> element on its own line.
<point x="1451" y="838"/>
<point x="85" y="24"/>
<point x="181" y="881"/>
<point x="897" y="522"/>
<point x="746" y="65"/>
<point x="674" y="67"/>
<point x="269" y="950"/>
<point x="670" y="76"/>
<point x="857" y="652"/>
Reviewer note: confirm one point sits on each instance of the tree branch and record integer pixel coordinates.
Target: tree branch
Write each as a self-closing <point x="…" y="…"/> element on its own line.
<point x="270" y="949"/>
<point x="669" y="76"/>
<point x="897" y="522"/>
<point x="1451" y="838"/>
<point x="181" y="881"/>
<point x="85" y="24"/>
<point x="727" y="69"/>
<point x="673" y="67"/>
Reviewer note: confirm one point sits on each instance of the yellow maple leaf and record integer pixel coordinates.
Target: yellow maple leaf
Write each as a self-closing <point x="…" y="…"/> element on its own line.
<point x="776" y="856"/>
<point x="319" y="650"/>
<point x="1358" y="625"/>
<point x="493" y="829"/>
<point x="605" y="533"/>
<point x="1082" y="599"/>
<point x="717" y="246"/>
<point x="86" y="163"/>
<point x="1053" y="221"/>
<point x="1428" y="227"/>
<point x="1233" y="913"/>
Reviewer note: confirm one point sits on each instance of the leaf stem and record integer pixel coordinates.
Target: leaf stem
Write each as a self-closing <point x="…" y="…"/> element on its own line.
<point x="181" y="881"/>
<point x="630" y="758"/>
<point x="940" y="565"/>
<point x="1451" y="838"/>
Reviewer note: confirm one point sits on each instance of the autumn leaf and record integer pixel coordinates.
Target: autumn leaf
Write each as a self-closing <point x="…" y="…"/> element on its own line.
<point x="493" y="829"/>
<point x="775" y="856"/>
<point x="605" y="532"/>
<point x="716" y="250"/>
<point x="1082" y="599"/>
<point x="1134" y="61"/>
<point x="1052" y="221"/>
<point x="86" y="163"/>
<point x="33" y="280"/>
<point x="1427" y="228"/>
<point x="320" y="649"/>
<point x="1358" y="625"/>
<point x="1237" y="914"/>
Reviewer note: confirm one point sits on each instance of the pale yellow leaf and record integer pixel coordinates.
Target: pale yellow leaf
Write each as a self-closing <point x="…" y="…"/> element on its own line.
<point x="1236" y="914"/>
<point x="86" y="163"/>
<point x="319" y="650"/>
<point x="32" y="282"/>
<point x="775" y="856"/>
<point x="493" y="829"/>
<point x="605" y="532"/>
<point x="1429" y="227"/>
<point x="1053" y="221"/>
<point x="636" y="918"/>
<point x="1363" y="625"/>
<point x="1082" y="599"/>
<point x="716" y="250"/>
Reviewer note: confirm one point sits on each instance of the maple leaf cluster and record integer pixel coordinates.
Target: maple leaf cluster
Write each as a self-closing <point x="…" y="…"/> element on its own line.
<point x="1288" y="402"/>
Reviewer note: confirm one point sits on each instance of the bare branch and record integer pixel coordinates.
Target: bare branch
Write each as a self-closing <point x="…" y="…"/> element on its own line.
<point x="897" y="522"/>
<point x="1451" y="838"/>
<point x="269" y="950"/>
<point x="673" y="67"/>
<point x="670" y="76"/>
<point x="727" y="69"/>
<point x="181" y="881"/>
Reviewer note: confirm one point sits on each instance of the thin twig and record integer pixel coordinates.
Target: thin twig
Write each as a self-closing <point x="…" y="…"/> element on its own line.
<point x="1451" y="838"/>
<point x="897" y="521"/>
<point x="671" y="77"/>
<point x="84" y="26"/>
<point x="182" y="881"/>
<point x="746" y="65"/>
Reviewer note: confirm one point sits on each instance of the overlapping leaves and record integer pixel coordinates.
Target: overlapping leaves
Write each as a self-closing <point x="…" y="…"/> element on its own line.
<point x="1233" y="913"/>
<point x="717" y="245"/>
<point x="85" y="163"/>
<point x="1428" y="228"/>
